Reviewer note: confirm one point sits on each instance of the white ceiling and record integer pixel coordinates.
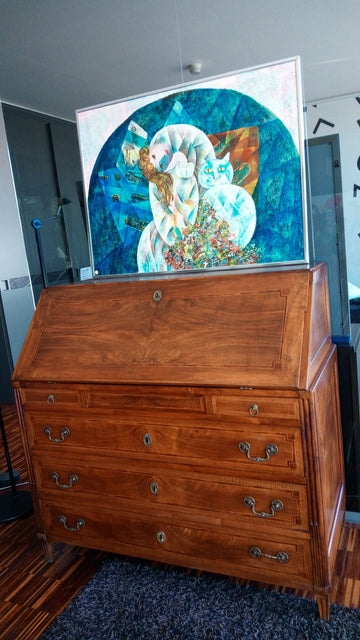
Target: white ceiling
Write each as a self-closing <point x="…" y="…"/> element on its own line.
<point x="57" y="56"/>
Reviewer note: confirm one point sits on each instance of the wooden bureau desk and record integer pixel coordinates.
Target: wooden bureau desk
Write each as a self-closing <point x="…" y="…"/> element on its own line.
<point x="190" y="420"/>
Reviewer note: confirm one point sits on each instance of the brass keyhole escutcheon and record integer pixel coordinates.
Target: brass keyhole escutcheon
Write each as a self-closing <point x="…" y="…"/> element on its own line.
<point x="157" y="295"/>
<point x="147" y="439"/>
<point x="161" y="537"/>
<point x="154" y="488"/>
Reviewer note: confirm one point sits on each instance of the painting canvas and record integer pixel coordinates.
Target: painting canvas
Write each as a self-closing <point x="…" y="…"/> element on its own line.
<point x="208" y="175"/>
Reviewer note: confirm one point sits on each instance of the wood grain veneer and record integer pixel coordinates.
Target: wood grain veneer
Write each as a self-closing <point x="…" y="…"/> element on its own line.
<point x="201" y="424"/>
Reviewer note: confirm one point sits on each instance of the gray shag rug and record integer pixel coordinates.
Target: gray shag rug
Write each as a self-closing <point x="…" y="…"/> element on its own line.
<point x="130" y="600"/>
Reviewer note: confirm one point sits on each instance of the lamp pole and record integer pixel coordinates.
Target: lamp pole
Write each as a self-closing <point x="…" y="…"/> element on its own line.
<point x="14" y="504"/>
<point x="37" y="224"/>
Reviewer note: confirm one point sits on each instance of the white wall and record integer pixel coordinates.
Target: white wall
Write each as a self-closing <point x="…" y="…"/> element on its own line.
<point x="343" y="113"/>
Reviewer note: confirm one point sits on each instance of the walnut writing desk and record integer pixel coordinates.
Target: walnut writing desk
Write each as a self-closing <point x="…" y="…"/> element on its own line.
<point x="190" y="420"/>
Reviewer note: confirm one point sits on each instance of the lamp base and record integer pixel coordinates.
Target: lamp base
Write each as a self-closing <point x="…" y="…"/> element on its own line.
<point x="5" y="480"/>
<point x="15" y="506"/>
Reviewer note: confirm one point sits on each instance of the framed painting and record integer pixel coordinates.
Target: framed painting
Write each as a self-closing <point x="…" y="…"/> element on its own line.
<point x="207" y="175"/>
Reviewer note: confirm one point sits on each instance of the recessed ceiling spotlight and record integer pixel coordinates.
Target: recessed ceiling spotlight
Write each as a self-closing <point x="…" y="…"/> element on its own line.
<point x="195" y="67"/>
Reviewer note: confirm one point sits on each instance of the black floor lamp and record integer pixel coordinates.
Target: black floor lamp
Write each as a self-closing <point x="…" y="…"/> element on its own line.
<point x="13" y="504"/>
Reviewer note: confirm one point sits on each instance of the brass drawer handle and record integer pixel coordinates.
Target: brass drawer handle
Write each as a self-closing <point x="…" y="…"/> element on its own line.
<point x="254" y="410"/>
<point x="80" y="523"/>
<point x="157" y="295"/>
<point x="281" y="556"/>
<point x="270" y="450"/>
<point x="50" y="399"/>
<point x="73" y="479"/>
<point x="154" y="488"/>
<point x="161" y="537"/>
<point x="147" y="439"/>
<point x="64" y="433"/>
<point x="276" y="505"/>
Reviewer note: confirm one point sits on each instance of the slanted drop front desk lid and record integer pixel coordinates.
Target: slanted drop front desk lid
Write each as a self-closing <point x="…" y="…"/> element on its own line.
<point x="254" y="329"/>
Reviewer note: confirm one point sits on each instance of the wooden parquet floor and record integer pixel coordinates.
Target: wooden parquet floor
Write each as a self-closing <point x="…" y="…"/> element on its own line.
<point x="33" y="592"/>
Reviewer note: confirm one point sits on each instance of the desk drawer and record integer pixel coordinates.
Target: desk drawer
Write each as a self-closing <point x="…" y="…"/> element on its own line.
<point x="254" y="406"/>
<point x="51" y="397"/>
<point x="218" y="498"/>
<point x="259" y="449"/>
<point x="271" y="557"/>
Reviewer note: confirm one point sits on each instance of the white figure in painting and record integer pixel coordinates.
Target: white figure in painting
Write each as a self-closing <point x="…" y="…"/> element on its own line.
<point x="231" y="202"/>
<point x="182" y="169"/>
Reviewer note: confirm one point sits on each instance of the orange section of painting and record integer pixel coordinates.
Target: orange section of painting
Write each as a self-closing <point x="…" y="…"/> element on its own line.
<point x="243" y="145"/>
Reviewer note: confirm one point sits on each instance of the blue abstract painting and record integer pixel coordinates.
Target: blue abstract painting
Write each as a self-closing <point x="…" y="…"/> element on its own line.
<point x="201" y="177"/>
